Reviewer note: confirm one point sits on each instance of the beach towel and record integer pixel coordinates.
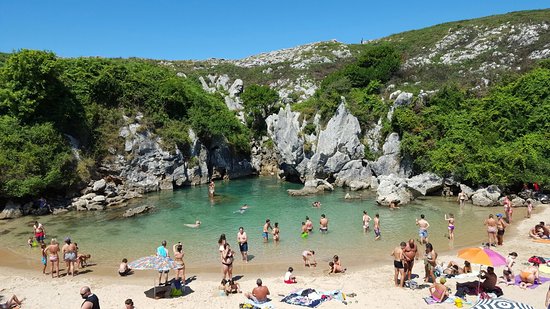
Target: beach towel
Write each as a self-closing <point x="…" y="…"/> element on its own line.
<point x="450" y="300"/>
<point x="544" y="269"/>
<point x="254" y="305"/>
<point x="473" y="274"/>
<point x="542" y="241"/>
<point x="310" y="298"/>
<point x="540" y="282"/>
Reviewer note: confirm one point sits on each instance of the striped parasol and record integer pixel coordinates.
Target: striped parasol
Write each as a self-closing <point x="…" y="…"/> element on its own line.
<point x="153" y="262"/>
<point x="500" y="303"/>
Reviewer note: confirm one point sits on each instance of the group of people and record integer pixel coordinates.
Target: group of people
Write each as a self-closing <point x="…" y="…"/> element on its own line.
<point x="540" y="231"/>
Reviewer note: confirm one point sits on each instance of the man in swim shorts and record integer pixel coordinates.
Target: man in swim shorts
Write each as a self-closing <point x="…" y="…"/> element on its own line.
<point x="69" y="255"/>
<point x="267" y="227"/>
<point x="423" y="226"/>
<point x="398" y="264"/>
<point x="323" y="222"/>
<point x="243" y="244"/>
<point x="39" y="232"/>
<point x="377" y="227"/>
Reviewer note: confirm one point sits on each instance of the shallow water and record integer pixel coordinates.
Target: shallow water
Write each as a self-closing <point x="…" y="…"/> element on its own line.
<point x="109" y="237"/>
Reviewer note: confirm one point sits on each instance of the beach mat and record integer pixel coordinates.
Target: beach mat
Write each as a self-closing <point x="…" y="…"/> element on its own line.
<point x="248" y="303"/>
<point x="544" y="269"/>
<point x="541" y="281"/>
<point x="449" y="300"/>
<point x="542" y="241"/>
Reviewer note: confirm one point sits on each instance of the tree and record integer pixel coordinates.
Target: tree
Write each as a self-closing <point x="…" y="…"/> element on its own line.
<point x="259" y="102"/>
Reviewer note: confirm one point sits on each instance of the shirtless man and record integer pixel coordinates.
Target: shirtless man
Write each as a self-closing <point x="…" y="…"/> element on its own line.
<point x="265" y="232"/>
<point x="423" y="226"/>
<point x="211" y="188"/>
<point x="53" y="256"/>
<point x="323" y="222"/>
<point x="39" y="231"/>
<point x="501" y="228"/>
<point x="490" y="279"/>
<point x="259" y="294"/>
<point x="377" y="227"/>
<point x="366" y="221"/>
<point x="398" y="258"/>
<point x="309" y="225"/>
<point x="69" y="255"/>
<point x="491" y="224"/>
<point x="243" y="244"/>
<point x="409" y="254"/>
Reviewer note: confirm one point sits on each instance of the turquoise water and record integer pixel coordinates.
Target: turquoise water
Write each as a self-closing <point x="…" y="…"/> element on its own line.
<point x="109" y="237"/>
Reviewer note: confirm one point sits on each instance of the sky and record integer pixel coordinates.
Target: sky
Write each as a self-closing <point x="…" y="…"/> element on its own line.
<point x="188" y="29"/>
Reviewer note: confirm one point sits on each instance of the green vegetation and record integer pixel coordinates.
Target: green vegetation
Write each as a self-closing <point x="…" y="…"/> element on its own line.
<point x="503" y="138"/>
<point x="259" y="102"/>
<point x="43" y="97"/>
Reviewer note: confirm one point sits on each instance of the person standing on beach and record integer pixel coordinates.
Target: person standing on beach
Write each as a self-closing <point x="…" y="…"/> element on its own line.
<point x="491" y="224"/>
<point x="323" y="224"/>
<point x="366" y="221"/>
<point x="309" y="258"/>
<point x="178" y="258"/>
<point x="501" y="228"/>
<point x="507" y="205"/>
<point x="53" y="256"/>
<point x="377" y="227"/>
<point x="265" y="232"/>
<point x="276" y="232"/>
<point x="409" y="254"/>
<point x="163" y="252"/>
<point x="451" y="225"/>
<point x="430" y="261"/>
<point x="90" y="300"/>
<point x="398" y="264"/>
<point x="529" y="208"/>
<point x="423" y="226"/>
<point x="242" y="239"/>
<point x="69" y="255"/>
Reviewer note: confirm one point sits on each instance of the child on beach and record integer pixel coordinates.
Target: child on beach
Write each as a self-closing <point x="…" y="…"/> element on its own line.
<point x="335" y="268"/>
<point x="308" y="256"/>
<point x="508" y="273"/>
<point x="529" y="208"/>
<point x="44" y="257"/>
<point x="123" y="269"/>
<point x="289" y="277"/>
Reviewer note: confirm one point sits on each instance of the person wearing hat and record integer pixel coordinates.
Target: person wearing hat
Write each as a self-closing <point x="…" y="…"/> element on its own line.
<point x="501" y="227"/>
<point x="439" y="291"/>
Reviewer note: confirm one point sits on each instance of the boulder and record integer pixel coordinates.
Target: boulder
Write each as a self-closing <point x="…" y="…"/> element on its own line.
<point x="356" y="185"/>
<point x="58" y="211"/>
<point x="392" y="188"/>
<point x="11" y="210"/>
<point x="311" y="187"/>
<point x="355" y="170"/>
<point x="390" y="161"/>
<point x="467" y="190"/>
<point x="518" y="202"/>
<point x="404" y="98"/>
<point x="486" y="197"/>
<point x="99" y="185"/>
<point x="99" y="199"/>
<point x="80" y="205"/>
<point x="96" y="206"/>
<point x="137" y="210"/>
<point x="284" y="130"/>
<point x="88" y="196"/>
<point x="425" y="183"/>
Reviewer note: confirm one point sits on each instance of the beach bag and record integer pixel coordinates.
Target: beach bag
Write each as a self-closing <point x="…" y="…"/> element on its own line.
<point x="411" y="284"/>
<point x="537" y="259"/>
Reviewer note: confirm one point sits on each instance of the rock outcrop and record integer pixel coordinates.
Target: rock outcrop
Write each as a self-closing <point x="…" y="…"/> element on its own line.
<point x="137" y="210"/>
<point x="425" y="183"/>
<point x="390" y="162"/>
<point x="392" y="189"/>
<point x="355" y="174"/>
<point x="486" y="197"/>
<point x="312" y="187"/>
<point x="11" y="211"/>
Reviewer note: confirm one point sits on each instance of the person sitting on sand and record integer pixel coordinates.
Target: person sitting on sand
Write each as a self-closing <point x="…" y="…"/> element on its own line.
<point x="223" y="288"/>
<point x="289" y="277"/>
<point x="309" y="258"/>
<point x="259" y="294"/>
<point x="123" y="269"/>
<point x="233" y="287"/>
<point x="335" y="268"/>
<point x="452" y="270"/>
<point x="489" y="279"/>
<point x="536" y="232"/>
<point x="439" y="291"/>
<point x="196" y="225"/>
<point x="529" y="276"/>
<point x="13" y="302"/>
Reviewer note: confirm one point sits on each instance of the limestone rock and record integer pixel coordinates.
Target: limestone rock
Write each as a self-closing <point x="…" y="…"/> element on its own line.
<point x="88" y="196"/>
<point x="358" y="171"/>
<point x="99" y="199"/>
<point x="58" y="211"/>
<point x="467" y="190"/>
<point x="486" y="197"/>
<point x="137" y="210"/>
<point x="404" y="98"/>
<point x="11" y="210"/>
<point x="518" y="202"/>
<point x="284" y="129"/>
<point x="99" y="185"/>
<point x="390" y="162"/>
<point x="392" y="188"/>
<point x="425" y="183"/>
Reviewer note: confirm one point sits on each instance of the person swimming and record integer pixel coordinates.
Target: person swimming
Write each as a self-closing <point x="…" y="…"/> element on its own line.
<point x="242" y="209"/>
<point x="196" y="225"/>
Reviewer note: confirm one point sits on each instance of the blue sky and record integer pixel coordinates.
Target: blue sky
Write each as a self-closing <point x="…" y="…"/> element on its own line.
<point x="188" y="29"/>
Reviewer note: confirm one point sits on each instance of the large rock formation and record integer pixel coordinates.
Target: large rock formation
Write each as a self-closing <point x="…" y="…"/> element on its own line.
<point x="425" y="183"/>
<point x="355" y="174"/>
<point x="392" y="189"/>
<point x="486" y="197"/>
<point x="390" y="162"/>
<point x="11" y="210"/>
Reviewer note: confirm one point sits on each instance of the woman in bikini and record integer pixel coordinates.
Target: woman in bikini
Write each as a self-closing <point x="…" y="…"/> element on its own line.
<point x="178" y="258"/>
<point x="491" y="224"/>
<point x="276" y="232"/>
<point x="227" y="262"/>
<point x="53" y="256"/>
<point x="451" y="226"/>
<point x="529" y="276"/>
<point x="429" y="263"/>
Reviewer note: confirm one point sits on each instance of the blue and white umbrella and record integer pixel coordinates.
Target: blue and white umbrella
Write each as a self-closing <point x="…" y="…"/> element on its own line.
<point x="500" y="303"/>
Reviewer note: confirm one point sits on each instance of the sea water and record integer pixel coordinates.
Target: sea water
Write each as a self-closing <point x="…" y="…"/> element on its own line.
<point x="109" y="237"/>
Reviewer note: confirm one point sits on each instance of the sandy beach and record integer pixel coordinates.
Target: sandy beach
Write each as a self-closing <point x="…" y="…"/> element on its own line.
<point x="372" y="284"/>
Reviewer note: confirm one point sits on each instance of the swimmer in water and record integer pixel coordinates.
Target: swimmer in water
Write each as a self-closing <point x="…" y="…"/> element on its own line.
<point x="242" y="209"/>
<point x="196" y="225"/>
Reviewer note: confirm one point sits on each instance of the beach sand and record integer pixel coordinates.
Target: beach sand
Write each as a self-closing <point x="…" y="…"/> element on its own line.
<point x="372" y="284"/>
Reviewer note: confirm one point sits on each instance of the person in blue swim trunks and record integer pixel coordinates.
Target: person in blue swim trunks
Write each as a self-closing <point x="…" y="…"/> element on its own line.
<point x="423" y="226"/>
<point x="267" y="227"/>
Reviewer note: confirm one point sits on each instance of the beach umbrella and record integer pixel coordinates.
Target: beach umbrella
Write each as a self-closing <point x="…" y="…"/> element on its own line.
<point x="500" y="303"/>
<point x="483" y="256"/>
<point x="153" y="262"/>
